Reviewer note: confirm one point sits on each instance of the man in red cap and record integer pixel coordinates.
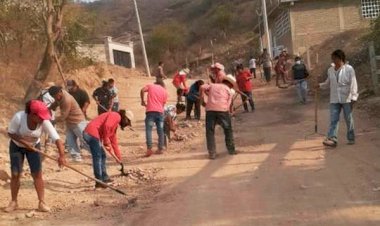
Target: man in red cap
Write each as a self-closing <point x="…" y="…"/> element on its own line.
<point x="27" y="126"/>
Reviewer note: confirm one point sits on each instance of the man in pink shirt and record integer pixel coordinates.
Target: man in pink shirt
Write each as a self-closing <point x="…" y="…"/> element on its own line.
<point x="218" y="108"/>
<point x="218" y="73"/>
<point x="157" y="98"/>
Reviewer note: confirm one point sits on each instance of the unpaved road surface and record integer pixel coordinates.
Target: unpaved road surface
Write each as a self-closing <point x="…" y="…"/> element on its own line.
<point x="281" y="176"/>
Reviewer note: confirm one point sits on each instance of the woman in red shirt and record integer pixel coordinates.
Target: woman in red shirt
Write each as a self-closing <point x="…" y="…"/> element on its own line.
<point x="100" y="132"/>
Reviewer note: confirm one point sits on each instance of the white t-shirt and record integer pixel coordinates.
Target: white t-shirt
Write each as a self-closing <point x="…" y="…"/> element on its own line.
<point x="19" y="126"/>
<point x="48" y="100"/>
<point x="170" y="110"/>
<point x="252" y="63"/>
<point x="115" y="91"/>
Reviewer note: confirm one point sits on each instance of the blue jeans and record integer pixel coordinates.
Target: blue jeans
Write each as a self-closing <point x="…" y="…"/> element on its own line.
<point x="335" y="110"/>
<point x="302" y="89"/>
<point x="250" y="100"/>
<point x="224" y="120"/>
<point x="98" y="157"/>
<point x="151" y="119"/>
<point x="115" y="107"/>
<point x="73" y="134"/>
<point x="17" y="156"/>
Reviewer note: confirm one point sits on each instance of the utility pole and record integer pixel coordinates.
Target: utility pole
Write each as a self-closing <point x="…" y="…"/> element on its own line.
<point x="259" y="14"/>
<point x="266" y="28"/>
<point x="142" y="40"/>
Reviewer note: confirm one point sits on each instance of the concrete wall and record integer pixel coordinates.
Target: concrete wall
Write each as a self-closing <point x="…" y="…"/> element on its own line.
<point x="314" y="22"/>
<point x="110" y="46"/>
<point x="95" y="52"/>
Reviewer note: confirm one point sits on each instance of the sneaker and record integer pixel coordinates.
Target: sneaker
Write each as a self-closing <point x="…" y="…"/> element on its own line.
<point x="77" y="159"/>
<point x="351" y="142"/>
<point x="99" y="185"/>
<point x="12" y="206"/>
<point x="108" y="181"/>
<point x="159" y="152"/>
<point x="212" y="156"/>
<point x="42" y="207"/>
<point x="232" y="153"/>
<point x="148" y="153"/>
<point x="330" y="143"/>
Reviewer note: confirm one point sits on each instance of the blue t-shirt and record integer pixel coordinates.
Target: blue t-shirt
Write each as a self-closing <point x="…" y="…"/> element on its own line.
<point x="193" y="94"/>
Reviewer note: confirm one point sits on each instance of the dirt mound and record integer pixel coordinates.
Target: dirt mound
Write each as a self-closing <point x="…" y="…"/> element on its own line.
<point x="356" y="48"/>
<point x="90" y="77"/>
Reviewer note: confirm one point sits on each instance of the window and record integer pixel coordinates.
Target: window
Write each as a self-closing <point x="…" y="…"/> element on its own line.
<point x="282" y="24"/>
<point x="370" y="8"/>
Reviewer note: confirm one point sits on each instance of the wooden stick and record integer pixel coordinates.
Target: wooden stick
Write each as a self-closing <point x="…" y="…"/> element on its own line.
<point x="70" y="167"/>
<point x="60" y="70"/>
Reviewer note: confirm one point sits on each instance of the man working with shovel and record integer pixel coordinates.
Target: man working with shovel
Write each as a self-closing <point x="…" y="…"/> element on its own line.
<point x="27" y="127"/>
<point x="103" y="98"/>
<point x="74" y="118"/>
<point x="101" y="132"/>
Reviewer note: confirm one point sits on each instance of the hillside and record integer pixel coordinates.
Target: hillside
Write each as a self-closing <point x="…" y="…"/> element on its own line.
<point x="196" y="23"/>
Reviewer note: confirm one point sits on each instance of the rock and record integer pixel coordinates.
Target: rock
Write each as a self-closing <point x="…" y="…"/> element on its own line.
<point x="4" y="175"/>
<point x="193" y="134"/>
<point x="96" y="203"/>
<point x="30" y="214"/>
<point x="376" y="189"/>
<point x="20" y="216"/>
<point x="303" y="187"/>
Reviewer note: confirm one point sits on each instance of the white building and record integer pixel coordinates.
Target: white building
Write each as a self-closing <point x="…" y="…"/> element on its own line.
<point x="110" y="52"/>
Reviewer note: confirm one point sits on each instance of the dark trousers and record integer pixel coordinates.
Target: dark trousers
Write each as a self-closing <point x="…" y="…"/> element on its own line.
<point x="253" y="72"/>
<point x="224" y="120"/>
<point x="197" y="109"/>
<point x="250" y="100"/>
<point x="267" y="73"/>
<point x="278" y="75"/>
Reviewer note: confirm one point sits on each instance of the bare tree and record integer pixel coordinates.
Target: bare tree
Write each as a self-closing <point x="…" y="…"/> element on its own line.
<point x="53" y="16"/>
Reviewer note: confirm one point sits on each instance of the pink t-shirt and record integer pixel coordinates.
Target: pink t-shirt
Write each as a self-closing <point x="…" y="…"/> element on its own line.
<point x="157" y="97"/>
<point x="219" y="97"/>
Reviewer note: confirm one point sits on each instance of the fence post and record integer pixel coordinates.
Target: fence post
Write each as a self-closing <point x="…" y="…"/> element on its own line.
<point x="375" y="76"/>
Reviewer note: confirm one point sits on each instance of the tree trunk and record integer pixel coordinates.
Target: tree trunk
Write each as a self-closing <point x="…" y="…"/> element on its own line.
<point x="41" y="75"/>
<point x="53" y="33"/>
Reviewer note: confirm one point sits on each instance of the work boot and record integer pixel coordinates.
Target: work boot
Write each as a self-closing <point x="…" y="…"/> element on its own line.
<point x="351" y="142"/>
<point x="99" y="185"/>
<point x="149" y="152"/>
<point x="12" y="206"/>
<point x="42" y="207"/>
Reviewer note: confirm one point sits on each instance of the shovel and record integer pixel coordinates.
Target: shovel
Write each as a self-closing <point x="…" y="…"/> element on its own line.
<point x="30" y="148"/>
<point x="123" y="173"/>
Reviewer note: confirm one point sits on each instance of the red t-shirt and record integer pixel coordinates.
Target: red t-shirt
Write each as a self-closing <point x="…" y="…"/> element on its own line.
<point x="179" y="78"/>
<point x="243" y="81"/>
<point x="104" y="128"/>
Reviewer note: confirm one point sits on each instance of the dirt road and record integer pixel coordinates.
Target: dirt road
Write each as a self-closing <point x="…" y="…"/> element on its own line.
<point x="278" y="177"/>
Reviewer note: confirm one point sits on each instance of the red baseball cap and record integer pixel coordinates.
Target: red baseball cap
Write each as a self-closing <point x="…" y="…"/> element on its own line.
<point x="40" y="109"/>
